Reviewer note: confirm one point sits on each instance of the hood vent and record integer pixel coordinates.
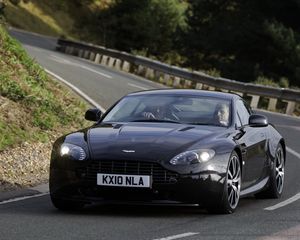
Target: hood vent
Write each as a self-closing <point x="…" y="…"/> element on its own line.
<point x="185" y="129"/>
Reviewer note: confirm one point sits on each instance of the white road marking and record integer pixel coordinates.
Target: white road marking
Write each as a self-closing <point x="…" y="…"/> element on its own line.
<point x="284" y="203"/>
<point x="62" y="60"/>
<point x="291" y="151"/>
<point x="97" y="72"/>
<point x="183" y="235"/>
<point x="23" y="198"/>
<point x="137" y="86"/>
<point x="77" y="90"/>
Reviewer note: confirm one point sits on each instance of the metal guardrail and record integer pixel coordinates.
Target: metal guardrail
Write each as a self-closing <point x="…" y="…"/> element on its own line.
<point x="179" y="77"/>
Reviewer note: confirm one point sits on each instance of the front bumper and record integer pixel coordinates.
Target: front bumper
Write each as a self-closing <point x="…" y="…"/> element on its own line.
<point x="202" y="188"/>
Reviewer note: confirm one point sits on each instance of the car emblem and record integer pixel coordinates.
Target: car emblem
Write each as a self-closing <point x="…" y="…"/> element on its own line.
<point x="128" y="151"/>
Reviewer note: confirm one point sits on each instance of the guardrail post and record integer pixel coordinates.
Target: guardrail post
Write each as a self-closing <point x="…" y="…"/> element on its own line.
<point x="104" y="60"/>
<point x="69" y="50"/>
<point x="211" y="88"/>
<point x="92" y="56"/>
<point x="149" y="73"/>
<point x="157" y="75"/>
<point x="86" y="54"/>
<point x="118" y="64"/>
<point x="126" y="66"/>
<point x="224" y="90"/>
<point x="141" y="70"/>
<point x="97" y="58"/>
<point x="187" y="84"/>
<point x="80" y="53"/>
<point x="199" y="86"/>
<point x="272" y="104"/>
<point x="166" y="79"/>
<point x="75" y="51"/>
<point x="176" y="82"/>
<point x="290" y="108"/>
<point x="111" y="61"/>
<point x="254" y="100"/>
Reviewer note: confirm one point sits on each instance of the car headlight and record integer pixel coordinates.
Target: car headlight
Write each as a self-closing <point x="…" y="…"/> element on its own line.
<point x="76" y="152"/>
<point x="193" y="156"/>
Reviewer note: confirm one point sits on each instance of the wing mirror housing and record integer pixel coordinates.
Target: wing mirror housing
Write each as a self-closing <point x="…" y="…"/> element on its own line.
<point x="256" y="120"/>
<point x="93" y="114"/>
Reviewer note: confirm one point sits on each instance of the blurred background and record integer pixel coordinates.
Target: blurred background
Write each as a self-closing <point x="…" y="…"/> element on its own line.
<point x="249" y="40"/>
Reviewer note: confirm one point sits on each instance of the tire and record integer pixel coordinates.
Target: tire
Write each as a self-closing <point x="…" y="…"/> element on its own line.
<point x="66" y="205"/>
<point x="232" y="187"/>
<point x="276" y="180"/>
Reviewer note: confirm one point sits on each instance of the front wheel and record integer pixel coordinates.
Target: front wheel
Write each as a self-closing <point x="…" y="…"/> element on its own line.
<point x="276" y="179"/>
<point x="232" y="187"/>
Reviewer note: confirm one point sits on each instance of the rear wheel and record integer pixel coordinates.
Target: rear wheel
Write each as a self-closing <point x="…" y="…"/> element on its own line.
<point x="232" y="187"/>
<point x="276" y="180"/>
<point x="66" y="205"/>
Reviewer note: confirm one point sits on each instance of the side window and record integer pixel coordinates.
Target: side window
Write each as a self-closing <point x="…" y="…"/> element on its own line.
<point x="242" y="112"/>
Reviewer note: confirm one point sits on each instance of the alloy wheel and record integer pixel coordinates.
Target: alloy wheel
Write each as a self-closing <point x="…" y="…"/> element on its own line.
<point x="233" y="181"/>
<point x="279" y="161"/>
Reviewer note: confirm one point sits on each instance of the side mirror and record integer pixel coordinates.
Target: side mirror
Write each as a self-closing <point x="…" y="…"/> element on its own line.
<point x="93" y="114"/>
<point x="256" y="120"/>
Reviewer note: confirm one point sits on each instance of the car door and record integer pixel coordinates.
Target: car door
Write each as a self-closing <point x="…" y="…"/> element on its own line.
<point x="253" y="144"/>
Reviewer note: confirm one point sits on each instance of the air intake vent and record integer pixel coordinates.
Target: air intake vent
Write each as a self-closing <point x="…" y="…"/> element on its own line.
<point x="158" y="173"/>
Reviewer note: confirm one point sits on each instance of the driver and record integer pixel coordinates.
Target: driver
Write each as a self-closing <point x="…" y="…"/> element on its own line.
<point x="155" y="112"/>
<point x="222" y="114"/>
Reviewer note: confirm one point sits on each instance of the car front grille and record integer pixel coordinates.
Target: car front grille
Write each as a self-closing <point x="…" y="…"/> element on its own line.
<point x="158" y="173"/>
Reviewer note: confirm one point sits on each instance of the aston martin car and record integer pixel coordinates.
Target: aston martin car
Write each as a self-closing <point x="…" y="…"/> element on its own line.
<point x="182" y="146"/>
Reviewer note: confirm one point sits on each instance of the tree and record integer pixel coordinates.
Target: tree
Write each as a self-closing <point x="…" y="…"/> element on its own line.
<point x="147" y="25"/>
<point x="245" y="39"/>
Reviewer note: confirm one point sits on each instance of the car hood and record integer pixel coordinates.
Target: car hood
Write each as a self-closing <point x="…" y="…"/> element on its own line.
<point x="144" y="141"/>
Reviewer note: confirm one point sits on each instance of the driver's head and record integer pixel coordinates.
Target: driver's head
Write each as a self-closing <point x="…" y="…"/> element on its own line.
<point x="222" y="114"/>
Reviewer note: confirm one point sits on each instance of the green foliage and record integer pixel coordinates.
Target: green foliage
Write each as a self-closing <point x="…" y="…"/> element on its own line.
<point x="10" y="134"/>
<point x="35" y="103"/>
<point x="11" y="89"/>
<point x="241" y="40"/>
<point x="283" y="82"/>
<point x="145" y="24"/>
<point x="266" y="81"/>
<point x="212" y="72"/>
<point x="245" y="39"/>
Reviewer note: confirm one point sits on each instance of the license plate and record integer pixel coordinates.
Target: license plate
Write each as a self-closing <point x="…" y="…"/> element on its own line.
<point x="141" y="181"/>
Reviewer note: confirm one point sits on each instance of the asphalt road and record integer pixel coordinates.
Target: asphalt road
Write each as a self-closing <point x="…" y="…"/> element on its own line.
<point x="36" y="218"/>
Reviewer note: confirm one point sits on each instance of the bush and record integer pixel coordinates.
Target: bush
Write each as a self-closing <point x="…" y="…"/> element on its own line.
<point x="266" y="81"/>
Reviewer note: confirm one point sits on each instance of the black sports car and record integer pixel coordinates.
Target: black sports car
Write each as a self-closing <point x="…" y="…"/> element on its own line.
<point x="186" y="146"/>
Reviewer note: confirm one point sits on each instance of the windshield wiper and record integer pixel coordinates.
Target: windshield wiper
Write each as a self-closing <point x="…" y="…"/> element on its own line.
<point x="155" y="120"/>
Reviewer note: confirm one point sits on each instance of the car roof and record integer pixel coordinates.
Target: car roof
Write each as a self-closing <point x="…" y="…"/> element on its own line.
<point x="194" y="92"/>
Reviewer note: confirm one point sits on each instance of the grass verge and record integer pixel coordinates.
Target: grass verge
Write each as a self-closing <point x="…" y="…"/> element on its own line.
<point x="32" y="105"/>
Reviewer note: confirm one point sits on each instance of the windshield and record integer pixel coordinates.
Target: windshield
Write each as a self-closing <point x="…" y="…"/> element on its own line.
<point x="177" y="109"/>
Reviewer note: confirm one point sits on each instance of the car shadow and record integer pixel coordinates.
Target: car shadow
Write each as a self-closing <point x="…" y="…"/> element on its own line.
<point x="154" y="210"/>
<point x="132" y="210"/>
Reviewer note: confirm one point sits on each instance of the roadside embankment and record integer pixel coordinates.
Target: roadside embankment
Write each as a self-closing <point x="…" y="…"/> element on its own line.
<point x="34" y="110"/>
